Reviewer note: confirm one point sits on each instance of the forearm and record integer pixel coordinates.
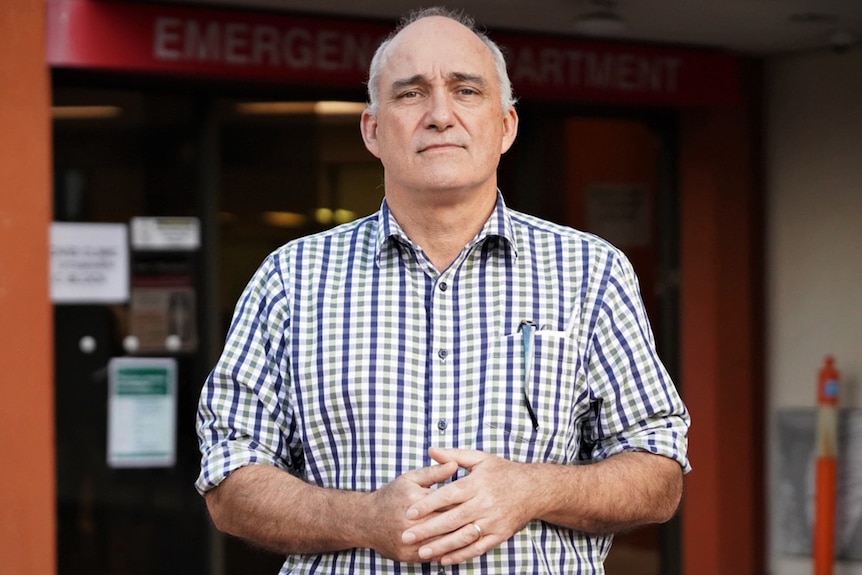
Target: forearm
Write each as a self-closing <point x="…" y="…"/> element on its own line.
<point x="272" y="508"/>
<point x="620" y="493"/>
<point x="499" y="497"/>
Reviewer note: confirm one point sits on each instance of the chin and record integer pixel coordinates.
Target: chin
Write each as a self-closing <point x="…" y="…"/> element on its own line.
<point x="447" y="180"/>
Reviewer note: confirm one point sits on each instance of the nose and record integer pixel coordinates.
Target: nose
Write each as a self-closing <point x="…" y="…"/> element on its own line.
<point x="440" y="114"/>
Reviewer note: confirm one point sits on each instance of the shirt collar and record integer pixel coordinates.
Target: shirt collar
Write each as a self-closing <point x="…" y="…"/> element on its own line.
<point x="498" y="225"/>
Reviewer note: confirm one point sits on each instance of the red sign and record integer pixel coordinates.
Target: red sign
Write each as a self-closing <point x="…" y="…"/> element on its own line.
<point x="552" y="67"/>
<point x="207" y="42"/>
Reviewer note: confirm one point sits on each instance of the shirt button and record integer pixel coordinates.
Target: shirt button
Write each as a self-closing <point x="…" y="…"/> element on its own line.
<point x="442" y="424"/>
<point x="443" y="354"/>
<point x="444" y="286"/>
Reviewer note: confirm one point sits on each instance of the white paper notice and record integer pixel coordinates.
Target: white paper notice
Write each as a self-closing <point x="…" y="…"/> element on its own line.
<point x="89" y="263"/>
<point x="142" y="401"/>
<point x="167" y="234"/>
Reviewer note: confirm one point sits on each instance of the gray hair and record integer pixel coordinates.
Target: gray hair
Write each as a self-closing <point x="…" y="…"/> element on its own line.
<point x="507" y="96"/>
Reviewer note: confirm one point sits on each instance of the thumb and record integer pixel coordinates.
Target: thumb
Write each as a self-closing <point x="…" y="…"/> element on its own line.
<point x="428" y="476"/>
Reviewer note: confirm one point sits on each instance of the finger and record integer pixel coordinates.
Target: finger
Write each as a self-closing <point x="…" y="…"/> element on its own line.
<point x="433" y="474"/>
<point x="440" y="500"/>
<point x="477" y="548"/>
<point x="462" y="541"/>
<point x="465" y="458"/>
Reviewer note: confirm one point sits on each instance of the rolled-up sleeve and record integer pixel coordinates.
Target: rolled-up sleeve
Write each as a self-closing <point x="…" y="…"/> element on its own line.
<point x="243" y="416"/>
<point x="636" y="406"/>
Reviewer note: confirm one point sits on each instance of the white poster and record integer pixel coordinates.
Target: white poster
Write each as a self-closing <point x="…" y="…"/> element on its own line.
<point x="89" y="263"/>
<point x="166" y="234"/>
<point x="142" y="405"/>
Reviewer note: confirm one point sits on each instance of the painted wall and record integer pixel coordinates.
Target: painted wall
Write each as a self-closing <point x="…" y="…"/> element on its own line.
<point x="720" y="337"/>
<point x="26" y="345"/>
<point x="814" y="247"/>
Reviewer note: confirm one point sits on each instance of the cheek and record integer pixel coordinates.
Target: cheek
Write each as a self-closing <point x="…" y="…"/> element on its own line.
<point x="393" y="139"/>
<point x="495" y="144"/>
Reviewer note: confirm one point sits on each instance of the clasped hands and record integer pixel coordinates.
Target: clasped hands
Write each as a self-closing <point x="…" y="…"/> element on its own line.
<point x="416" y="522"/>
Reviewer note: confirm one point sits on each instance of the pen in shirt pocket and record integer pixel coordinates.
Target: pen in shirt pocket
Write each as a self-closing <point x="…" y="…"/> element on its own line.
<point x="528" y="336"/>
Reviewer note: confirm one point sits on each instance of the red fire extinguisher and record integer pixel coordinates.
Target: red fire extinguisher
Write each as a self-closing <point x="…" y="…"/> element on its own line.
<point x="826" y="468"/>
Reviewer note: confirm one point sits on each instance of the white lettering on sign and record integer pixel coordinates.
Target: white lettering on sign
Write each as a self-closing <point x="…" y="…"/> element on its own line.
<point x="236" y="44"/>
<point x="264" y="41"/>
<point x="201" y="44"/>
<point x="242" y="44"/>
<point x="296" y="48"/>
<point x="167" y="39"/>
<point x="579" y="68"/>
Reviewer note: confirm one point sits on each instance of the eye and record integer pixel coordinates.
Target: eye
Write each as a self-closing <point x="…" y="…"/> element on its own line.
<point x="467" y="91"/>
<point x="409" y="94"/>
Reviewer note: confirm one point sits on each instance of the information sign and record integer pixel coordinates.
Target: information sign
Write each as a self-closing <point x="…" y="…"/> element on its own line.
<point x="142" y="399"/>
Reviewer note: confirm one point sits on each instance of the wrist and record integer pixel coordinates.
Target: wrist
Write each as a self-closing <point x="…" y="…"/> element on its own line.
<point x="548" y="490"/>
<point x="362" y="522"/>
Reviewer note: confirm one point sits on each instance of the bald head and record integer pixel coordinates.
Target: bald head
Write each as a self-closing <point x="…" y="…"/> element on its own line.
<point x="452" y="18"/>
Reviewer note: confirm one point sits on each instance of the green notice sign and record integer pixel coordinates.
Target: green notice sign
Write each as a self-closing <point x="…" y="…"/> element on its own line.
<point x="142" y="402"/>
<point x="143" y="381"/>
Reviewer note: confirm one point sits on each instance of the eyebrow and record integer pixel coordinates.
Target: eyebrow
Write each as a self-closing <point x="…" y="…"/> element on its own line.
<point x="454" y="76"/>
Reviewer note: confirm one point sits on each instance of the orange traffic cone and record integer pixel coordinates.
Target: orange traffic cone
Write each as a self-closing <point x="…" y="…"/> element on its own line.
<point x="825" y="479"/>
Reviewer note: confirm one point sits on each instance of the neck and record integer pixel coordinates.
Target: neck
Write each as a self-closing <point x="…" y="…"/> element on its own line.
<point x="442" y="228"/>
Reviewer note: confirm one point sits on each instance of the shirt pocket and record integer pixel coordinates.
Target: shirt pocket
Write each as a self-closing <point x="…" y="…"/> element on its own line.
<point x="553" y="388"/>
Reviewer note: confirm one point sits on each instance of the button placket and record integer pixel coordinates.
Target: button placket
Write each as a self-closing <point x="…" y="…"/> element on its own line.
<point x="442" y="369"/>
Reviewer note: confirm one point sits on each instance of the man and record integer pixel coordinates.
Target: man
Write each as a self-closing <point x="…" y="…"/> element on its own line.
<point x="445" y="385"/>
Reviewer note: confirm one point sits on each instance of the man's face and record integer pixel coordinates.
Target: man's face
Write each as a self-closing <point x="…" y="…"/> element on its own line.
<point x="440" y="124"/>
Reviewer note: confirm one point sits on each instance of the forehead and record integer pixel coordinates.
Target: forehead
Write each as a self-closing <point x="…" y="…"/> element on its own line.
<point x="437" y="45"/>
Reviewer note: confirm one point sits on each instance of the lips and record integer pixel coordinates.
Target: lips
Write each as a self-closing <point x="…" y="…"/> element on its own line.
<point x="440" y="146"/>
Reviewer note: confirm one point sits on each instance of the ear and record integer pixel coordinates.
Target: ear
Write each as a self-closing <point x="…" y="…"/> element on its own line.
<point x="368" y="127"/>
<point x="510" y="129"/>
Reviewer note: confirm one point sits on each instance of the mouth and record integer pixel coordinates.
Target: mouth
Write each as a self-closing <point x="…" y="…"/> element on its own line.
<point x="438" y="147"/>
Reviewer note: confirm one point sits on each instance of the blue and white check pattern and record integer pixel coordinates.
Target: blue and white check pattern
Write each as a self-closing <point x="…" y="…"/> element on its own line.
<point x="349" y="355"/>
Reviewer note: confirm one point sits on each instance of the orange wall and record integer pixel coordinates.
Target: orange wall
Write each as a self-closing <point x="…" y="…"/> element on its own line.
<point x="27" y="491"/>
<point x="721" y="349"/>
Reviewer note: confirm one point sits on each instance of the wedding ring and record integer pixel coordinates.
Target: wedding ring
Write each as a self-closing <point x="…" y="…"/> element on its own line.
<point x="478" y="530"/>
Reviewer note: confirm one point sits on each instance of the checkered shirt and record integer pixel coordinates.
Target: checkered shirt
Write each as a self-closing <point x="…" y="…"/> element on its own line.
<point x="349" y="355"/>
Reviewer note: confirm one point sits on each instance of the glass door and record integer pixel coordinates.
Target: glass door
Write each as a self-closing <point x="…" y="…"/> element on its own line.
<point x="248" y="174"/>
<point x="125" y="443"/>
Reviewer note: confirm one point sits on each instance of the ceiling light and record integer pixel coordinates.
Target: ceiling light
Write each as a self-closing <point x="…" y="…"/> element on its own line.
<point x="342" y="216"/>
<point x="85" y="112"/>
<point x="329" y="108"/>
<point x="323" y="216"/>
<point x="327" y="216"/>
<point x="600" y="23"/>
<point x="322" y="108"/>
<point x="284" y="219"/>
<point x="602" y="20"/>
